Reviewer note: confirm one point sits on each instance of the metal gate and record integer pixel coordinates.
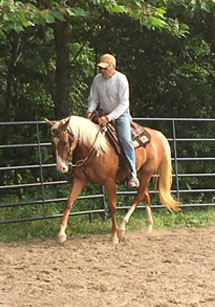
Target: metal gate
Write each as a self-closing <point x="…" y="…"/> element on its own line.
<point x="31" y="189"/>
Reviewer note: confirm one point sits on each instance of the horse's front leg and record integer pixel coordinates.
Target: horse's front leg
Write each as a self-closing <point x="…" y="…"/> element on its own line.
<point x="77" y="187"/>
<point x="110" y="187"/>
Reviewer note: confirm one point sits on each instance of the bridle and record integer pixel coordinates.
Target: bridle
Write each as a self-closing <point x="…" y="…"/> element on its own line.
<point x="60" y="136"/>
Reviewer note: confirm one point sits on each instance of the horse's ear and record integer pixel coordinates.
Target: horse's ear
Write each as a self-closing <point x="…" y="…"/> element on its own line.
<point x="49" y="122"/>
<point x="65" y="125"/>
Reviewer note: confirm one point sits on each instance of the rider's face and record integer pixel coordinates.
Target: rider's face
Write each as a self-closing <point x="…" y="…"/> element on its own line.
<point x="108" y="72"/>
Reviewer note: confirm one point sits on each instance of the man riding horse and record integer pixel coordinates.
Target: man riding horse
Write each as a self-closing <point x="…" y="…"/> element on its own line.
<point x="110" y="90"/>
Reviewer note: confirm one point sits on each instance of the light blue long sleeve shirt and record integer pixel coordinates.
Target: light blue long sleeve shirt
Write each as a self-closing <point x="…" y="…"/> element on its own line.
<point x="112" y="95"/>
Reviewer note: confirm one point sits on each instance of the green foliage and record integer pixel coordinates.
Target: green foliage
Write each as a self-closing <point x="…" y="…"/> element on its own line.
<point x="165" y="65"/>
<point x="18" y="15"/>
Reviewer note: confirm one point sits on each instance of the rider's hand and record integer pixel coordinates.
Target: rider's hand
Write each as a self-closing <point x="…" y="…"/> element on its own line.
<point x="103" y="120"/>
<point x="89" y="115"/>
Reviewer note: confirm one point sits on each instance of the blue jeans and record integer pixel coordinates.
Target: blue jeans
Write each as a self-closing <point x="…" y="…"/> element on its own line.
<point x="123" y="127"/>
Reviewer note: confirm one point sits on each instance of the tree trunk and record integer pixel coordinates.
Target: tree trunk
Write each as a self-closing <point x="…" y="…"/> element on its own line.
<point x="62" y="78"/>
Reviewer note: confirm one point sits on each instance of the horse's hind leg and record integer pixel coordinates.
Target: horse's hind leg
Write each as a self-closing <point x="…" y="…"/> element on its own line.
<point x="110" y="187"/>
<point x="149" y="217"/>
<point x="142" y="195"/>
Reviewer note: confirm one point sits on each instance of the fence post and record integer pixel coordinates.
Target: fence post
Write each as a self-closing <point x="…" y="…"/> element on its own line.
<point x="176" y="161"/>
<point x="41" y="170"/>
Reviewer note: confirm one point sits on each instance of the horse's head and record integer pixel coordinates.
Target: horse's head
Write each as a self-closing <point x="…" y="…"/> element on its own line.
<point x="64" y="143"/>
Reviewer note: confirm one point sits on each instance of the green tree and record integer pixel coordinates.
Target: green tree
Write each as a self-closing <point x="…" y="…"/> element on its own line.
<point x="26" y="25"/>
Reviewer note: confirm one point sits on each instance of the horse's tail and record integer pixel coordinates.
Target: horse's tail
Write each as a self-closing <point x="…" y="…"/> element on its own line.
<point x="165" y="180"/>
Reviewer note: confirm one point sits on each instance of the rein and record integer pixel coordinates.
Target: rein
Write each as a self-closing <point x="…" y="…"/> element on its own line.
<point x="81" y="162"/>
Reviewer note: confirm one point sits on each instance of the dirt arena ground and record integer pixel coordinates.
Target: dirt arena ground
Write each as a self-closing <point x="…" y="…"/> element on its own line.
<point x="171" y="268"/>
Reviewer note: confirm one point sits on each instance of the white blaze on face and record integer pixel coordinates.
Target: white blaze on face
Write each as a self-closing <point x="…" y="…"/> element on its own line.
<point x="62" y="166"/>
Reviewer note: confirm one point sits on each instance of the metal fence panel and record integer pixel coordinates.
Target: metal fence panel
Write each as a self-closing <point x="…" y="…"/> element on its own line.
<point x="31" y="165"/>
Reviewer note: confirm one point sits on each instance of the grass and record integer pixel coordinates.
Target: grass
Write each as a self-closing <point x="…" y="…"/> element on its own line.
<point x="80" y="225"/>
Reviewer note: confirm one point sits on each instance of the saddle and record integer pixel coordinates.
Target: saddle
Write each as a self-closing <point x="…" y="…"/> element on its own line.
<point x="140" y="136"/>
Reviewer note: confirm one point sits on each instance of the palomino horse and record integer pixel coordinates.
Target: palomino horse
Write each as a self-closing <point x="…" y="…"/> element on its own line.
<point x="83" y="142"/>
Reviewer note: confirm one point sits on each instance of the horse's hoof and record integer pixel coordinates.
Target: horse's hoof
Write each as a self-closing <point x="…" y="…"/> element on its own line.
<point x="121" y="234"/>
<point x="149" y="230"/>
<point x="61" y="239"/>
<point x="115" y="241"/>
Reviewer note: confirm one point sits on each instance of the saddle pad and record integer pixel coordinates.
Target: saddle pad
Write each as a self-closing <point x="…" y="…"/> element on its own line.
<point x="140" y="136"/>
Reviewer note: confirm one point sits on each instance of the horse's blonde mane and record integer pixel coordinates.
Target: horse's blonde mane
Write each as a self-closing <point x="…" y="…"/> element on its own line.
<point x="87" y="132"/>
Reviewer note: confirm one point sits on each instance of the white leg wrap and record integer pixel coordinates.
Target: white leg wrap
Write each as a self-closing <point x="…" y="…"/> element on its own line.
<point x="149" y="219"/>
<point x="122" y="227"/>
<point x="62" y="234"/>
<point x="128" y="214"/>
<point x="62" y="230"/>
